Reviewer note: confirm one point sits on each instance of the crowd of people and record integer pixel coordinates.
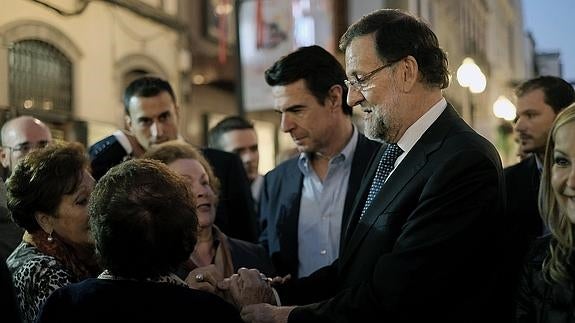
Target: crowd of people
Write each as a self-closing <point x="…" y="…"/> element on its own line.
<point x="413" y="218"/>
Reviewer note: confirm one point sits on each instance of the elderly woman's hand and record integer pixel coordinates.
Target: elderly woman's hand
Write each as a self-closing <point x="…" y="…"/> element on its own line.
<point x="205" y="278"/>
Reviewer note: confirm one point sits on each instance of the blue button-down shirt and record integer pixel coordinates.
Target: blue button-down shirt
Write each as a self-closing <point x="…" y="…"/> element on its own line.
<point x="321" y="209"/>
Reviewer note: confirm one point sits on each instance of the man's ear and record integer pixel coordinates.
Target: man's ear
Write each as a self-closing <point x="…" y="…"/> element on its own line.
<point x="410" y="73"/>
<point x="177" y="109"/>
<point x="5" y="157"/>
<point x="128" y="122"/>
<point x="334" y="96"/>
<point x="45" y="221"/>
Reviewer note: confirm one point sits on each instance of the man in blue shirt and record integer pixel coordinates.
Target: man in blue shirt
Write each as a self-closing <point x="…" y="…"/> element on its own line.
<point x="305" y="200"/>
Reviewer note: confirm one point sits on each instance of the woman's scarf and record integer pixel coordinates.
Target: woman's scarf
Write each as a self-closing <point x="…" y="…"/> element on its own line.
<point x="83" y="269"/>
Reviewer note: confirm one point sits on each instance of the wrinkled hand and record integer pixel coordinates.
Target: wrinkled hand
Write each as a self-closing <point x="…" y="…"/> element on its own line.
<point x="205" y="278"/>
<point x="265" y="313"/>
<point x="247" y="287"/>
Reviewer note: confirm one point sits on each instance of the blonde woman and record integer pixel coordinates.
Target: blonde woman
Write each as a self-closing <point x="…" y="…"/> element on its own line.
<point x="546" y="290"/>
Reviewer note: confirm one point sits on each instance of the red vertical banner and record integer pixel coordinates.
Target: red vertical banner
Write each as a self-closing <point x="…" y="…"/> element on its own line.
<point x="223" y="31"/>
<point x="259" y="24"/>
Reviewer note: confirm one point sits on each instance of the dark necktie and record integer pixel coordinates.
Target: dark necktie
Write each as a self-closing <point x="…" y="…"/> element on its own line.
<point x="384" y="167"/>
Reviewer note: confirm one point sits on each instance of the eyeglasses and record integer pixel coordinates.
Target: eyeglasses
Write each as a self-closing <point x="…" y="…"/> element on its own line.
<point x="26" y="147"/>
<point x="360" y="82"/>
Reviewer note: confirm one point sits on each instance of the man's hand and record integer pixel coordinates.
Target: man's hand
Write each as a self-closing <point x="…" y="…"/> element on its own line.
<point x="246" y="287"/>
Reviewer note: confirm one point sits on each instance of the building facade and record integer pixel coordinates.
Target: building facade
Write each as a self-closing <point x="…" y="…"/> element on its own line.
<point x="67" y="62"/>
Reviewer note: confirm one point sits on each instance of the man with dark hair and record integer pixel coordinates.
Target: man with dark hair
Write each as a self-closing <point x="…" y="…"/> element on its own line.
<point x="237" y="135"/>
<point x="539" y="100"/>
<point x="305" y="200"/>
<point x="422" y="243"/>
<point x="152" y="118"/>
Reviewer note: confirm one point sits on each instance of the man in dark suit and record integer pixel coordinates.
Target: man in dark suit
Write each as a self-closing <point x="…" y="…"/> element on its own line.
<point x="539" y="100"/>
<point x="152" y="118"/>
<point x="422" y="242"/>
<point x="305" y="201"/>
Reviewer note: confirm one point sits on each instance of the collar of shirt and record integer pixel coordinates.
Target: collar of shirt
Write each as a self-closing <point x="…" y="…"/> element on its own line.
<point x="124" y="141"/>
<point x="418" y="128"/>
<point x="345" y="156"/>
<point x="539" y="163"/>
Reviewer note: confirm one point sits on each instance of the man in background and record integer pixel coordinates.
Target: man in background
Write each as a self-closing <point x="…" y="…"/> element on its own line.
<point x="20" y="136"/>
<point x="152" y="116"/>
<point x="237" y="135"/>
<point x="539" y="100"/>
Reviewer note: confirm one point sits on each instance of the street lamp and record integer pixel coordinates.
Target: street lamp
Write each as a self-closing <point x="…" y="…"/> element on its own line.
<point x="469" y="75"/>
<point x="504" y="109"/>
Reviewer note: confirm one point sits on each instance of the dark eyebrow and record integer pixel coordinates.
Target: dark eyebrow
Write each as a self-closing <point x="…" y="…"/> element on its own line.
<point x="164" y="114"/>
<point x="294" y="107"/>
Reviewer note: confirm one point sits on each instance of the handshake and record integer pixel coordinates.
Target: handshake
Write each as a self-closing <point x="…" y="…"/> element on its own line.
<point x="250" y="291"/>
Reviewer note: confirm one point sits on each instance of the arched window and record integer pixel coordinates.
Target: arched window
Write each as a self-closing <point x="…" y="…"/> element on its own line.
<point x="40" y="78"/>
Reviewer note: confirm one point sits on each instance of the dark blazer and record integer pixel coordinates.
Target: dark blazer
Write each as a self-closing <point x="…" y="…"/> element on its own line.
<point x="524" y="222"/>
<point x="280" y="202"/>
<point x="235" y="215"/>
<point x="522" y="185"/>
<point x="427" y="248"/>
<point x="244" y="254"/>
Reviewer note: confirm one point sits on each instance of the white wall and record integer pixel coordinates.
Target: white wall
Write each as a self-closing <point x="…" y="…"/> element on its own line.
<point x="104" y="35"/>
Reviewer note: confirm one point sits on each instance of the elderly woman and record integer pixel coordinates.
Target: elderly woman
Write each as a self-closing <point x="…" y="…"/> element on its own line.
<point x="216" y="255"/>
<point x="547" y="290"/>
<point x="47" y="196"/>
<point x="144" y="225"/>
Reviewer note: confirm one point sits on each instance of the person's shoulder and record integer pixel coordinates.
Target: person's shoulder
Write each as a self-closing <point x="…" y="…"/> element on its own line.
<point x="245" y="245"/>
<point x="286" y="167"/>
<point x="102" y="145"/>
<point x="520" y="167"/>
<point x="216" y="153"/>
<point x="539" y="249"/>
<point x="209" y="304"/>
<point x="33" y="270"/>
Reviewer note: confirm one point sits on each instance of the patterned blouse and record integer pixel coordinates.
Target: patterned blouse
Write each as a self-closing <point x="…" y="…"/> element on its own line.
<point x="36" y="275"/>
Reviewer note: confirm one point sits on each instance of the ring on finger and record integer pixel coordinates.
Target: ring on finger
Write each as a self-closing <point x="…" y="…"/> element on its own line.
<point x="199" y="278"/>
<point x="264" y="278"/>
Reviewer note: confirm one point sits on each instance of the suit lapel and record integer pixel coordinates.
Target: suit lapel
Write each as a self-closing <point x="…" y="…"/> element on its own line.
<point x="289" y="210"/>
<point x="365" y="151"/>
<point x="361" y="195"/>
<point x="398" y="180"/>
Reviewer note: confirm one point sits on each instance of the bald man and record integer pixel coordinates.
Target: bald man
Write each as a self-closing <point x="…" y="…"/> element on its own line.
<point x="20" y="136"/>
